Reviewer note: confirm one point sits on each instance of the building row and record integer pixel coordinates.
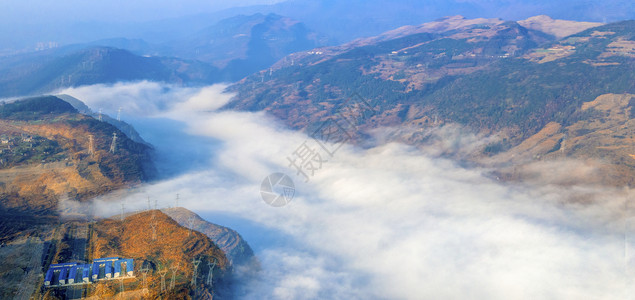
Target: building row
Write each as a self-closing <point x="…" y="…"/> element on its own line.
<point x="101" y="269"/>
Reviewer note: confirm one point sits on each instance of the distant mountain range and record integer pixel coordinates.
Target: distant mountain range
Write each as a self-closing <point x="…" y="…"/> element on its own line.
<point x="495" y="77"/>
<point x="227" y="51"/>
<point x="47" y="71"/>
<point x="339" y="21"/>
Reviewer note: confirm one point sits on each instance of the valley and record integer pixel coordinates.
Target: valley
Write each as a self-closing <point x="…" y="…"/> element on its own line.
<point x="437" y="150"/>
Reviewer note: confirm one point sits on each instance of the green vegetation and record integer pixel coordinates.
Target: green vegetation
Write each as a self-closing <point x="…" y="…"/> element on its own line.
<point x="35" y="108"/>
<point x="29" y="150"/>
<point x="509" y="92"/>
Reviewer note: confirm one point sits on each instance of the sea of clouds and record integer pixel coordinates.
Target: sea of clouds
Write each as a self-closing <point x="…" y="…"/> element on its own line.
<point x="385" y="222"/>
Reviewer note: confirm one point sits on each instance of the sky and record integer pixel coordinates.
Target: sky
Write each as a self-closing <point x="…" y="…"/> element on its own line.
<point x="36" y="11"/>
<point x="26" y="24"/>
<point x="386" y="222"/>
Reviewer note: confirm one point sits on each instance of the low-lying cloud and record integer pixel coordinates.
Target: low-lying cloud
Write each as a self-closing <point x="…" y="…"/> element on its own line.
<point x="389" y="222"/>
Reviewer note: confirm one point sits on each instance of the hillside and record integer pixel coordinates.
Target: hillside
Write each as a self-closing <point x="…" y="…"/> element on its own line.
<point x="156" y="243"/>
<point x="236" y="248"/>
<point x="603" y="138"/>
<point x="46" y="71"/>
<point x="45" y="159"/>
<point x="557" y="28"/>
<point x="493" y="78"/>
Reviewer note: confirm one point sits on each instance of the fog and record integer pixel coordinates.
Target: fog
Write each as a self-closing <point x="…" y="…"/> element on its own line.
<point x="385" y="222"/>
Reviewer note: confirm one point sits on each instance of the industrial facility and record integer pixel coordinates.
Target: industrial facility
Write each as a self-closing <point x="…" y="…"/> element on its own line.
<point x="101" y="269"/>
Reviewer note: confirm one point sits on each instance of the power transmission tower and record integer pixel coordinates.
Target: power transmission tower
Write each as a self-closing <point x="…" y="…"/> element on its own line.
<point x="563" y="147"/>
<point x="99" y="117"/>
<point x="177" y="200"/>
<point x="145" y="271"/>
<point x="121" y="290"/>
<point x="119" y="114"/>
<point x="162" y="272"/>
<point x="155" y="209"/>
<point x="123" y="204"/>
<point x="149" y="206"/>
<point x="153" y="225"/>
<point x="210" y="273"/>
<point x="91" y="145"/>
<point x="195" y="262"/>
<point x="113" y="145"/>
<point x="174" y="269"/>
<point x="190" y="223"/>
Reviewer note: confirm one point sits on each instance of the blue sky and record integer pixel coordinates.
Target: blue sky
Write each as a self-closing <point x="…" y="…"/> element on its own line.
<point x="112" y="10"/>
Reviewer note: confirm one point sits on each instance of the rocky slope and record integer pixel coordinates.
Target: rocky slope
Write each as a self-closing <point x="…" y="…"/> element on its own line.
<point x="234" y="246"/>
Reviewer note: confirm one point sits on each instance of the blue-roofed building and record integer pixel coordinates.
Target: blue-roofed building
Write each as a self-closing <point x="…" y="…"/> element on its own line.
<point x="129" y="267"/>
<point x="108" y="271"/>
<point x="105" y="259"/>
<point x="63" y="275"/>
<point x="86" y="273"/>
<point x="95" y="271"/>
<point x="48" y="279"/>
<point x="117" y="265"/>
<point x="101" y="269"/>
<point x="64" y="265"/>
<point x="72" y="273"/>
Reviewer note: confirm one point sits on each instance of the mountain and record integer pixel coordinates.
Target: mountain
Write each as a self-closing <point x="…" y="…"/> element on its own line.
<point x="45" y="161"/>
<point x="82" y="108"/>
<point x="234" y="246"/>
<point x="557" y="28"/>
<point x="47" y="71"/>
<point x="406" y="63"/>
<point x="244" y="44"/>
<point x="53" y="160"/>
<point x="493" y="77"/>
<point x="155" y="242"/>
<point x="227" y="51"/>
<point x="364" y="18"/>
